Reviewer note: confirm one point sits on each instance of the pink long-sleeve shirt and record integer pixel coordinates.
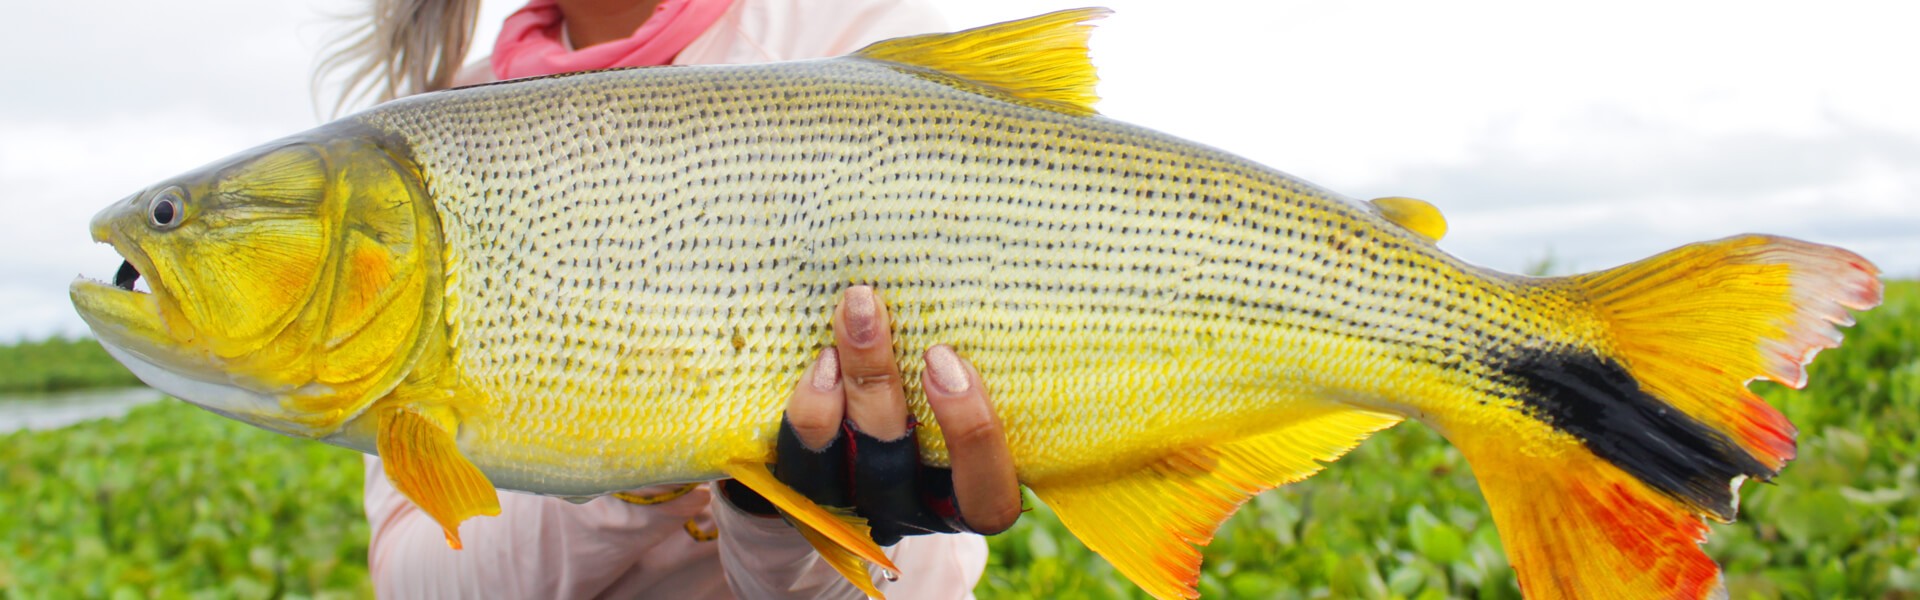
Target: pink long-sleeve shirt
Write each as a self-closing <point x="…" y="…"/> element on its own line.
<point x="542" y="547"/>
<point x="758" y="31"/>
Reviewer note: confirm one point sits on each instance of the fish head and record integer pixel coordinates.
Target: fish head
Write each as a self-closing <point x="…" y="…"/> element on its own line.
<point x="286" y="286"/>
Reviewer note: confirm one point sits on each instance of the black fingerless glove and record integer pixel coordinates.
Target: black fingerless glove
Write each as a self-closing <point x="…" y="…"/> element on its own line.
<point x="882" y="481"/>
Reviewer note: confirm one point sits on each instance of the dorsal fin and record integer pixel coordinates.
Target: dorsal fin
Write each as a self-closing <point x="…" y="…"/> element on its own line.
<point x="1040" y="61"/>
<point x="1416" y="215"/>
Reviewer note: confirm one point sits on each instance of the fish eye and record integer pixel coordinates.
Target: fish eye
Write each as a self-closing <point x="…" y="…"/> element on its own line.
<point x="163" y="211"/>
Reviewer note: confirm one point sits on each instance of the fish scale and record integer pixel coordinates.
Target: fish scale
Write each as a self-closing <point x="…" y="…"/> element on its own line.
<point x="1003" y="230"/>
<point x="586" y="283"/>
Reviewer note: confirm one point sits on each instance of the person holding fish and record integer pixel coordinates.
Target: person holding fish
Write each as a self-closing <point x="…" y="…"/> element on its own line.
<point x="699" y="540"/>
<point x="575" y="285"/>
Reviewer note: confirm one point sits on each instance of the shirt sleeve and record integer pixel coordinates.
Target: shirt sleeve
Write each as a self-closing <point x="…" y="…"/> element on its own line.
<point x="538" y="547"/>
<point x="765" y="558"/>
<point x="541" y="547"/>
<point x="475" y="73"/>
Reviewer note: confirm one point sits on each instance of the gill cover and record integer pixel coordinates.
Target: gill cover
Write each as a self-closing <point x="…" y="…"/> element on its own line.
<point x="297" y="272"/>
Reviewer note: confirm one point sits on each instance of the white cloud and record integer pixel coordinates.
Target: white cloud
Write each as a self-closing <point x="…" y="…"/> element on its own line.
<point x="60" y="174"/>
<point x="1599" y="134"/>
<point x="1602" y="134"/>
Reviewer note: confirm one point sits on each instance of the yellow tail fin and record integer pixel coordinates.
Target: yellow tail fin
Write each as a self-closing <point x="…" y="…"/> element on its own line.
<point x="1694" y="325"/>
<point x="1576" y="526"/>
<point x="1600" y="484"/>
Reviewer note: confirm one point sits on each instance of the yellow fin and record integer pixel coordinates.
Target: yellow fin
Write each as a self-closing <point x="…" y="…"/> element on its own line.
<point x="1040" y="61"/>
<point x="841" y="538"/>
<point x="421" y="459"/>
<point x="1576" y="526"/>
<point x="1603" y="488"/>
<point x="1693" y="325"/>
<point x="1417" y="216"/>
<point x="1148" y="523"/>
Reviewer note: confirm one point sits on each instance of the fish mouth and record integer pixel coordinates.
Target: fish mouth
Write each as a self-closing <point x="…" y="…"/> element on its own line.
<point x="122" y="309"/>
<point x="125" y="308"/>
<point x="127" y="276"/>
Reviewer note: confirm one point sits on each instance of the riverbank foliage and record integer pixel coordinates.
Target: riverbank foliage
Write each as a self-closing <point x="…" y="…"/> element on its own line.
<point x="58" y="364"/>
<point x="171" y="501"/>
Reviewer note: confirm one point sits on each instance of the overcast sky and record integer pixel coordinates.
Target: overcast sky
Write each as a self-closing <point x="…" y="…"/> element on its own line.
<point x="1597" y="135"/>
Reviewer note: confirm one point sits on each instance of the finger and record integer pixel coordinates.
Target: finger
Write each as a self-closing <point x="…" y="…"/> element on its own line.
<point x="818" y="403"/>
<point x="984" y="482"/>
<point x="876" y="400"/>
<point x="811" y="453"/>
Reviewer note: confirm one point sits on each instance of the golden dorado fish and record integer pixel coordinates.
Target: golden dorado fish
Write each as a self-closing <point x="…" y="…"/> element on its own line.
<point x="578" y="284"/>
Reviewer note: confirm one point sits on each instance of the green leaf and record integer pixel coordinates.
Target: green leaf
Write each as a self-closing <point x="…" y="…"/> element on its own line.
<point x="1434" y="539"/>
<point x="1040" y="543"/>
<point x="1355" y="577"/>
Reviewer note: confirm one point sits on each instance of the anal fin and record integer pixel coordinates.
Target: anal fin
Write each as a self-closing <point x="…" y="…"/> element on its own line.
<point x="1150" y="522"/>
<point x="417" y="449"/>
<point x="841" y="538"/>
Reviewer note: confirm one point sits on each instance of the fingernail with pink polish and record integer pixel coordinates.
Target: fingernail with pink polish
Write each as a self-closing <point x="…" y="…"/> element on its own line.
<point x="948" y="374"/>
<point x="862" y="315"/>
<point x="826" y="370"/>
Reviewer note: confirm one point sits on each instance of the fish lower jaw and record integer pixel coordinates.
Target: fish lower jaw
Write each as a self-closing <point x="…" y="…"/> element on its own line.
<point x="116" y="315"/>
<point x="137" y="288"/>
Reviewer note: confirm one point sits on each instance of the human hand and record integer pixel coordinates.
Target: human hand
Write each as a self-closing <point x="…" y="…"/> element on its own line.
<point x="847" y="439"/>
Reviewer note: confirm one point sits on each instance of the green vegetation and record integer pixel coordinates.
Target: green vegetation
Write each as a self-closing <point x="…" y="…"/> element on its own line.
<point x="57" y="364"/>
<point x="171" y="500"/>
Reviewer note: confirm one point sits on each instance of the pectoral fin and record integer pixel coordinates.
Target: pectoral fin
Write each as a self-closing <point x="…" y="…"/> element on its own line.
<point x="841" y="538"/>
<point x="416" y="446"/>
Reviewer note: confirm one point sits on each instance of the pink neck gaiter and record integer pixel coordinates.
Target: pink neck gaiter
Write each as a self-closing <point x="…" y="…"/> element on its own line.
<point x="530" y="41"/>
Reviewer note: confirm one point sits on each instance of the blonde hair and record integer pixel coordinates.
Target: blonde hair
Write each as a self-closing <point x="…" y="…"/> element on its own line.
<point x="398" y="48"/>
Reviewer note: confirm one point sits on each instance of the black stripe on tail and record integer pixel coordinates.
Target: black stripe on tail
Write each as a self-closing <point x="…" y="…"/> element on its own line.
<point x="1594" y="399"/>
